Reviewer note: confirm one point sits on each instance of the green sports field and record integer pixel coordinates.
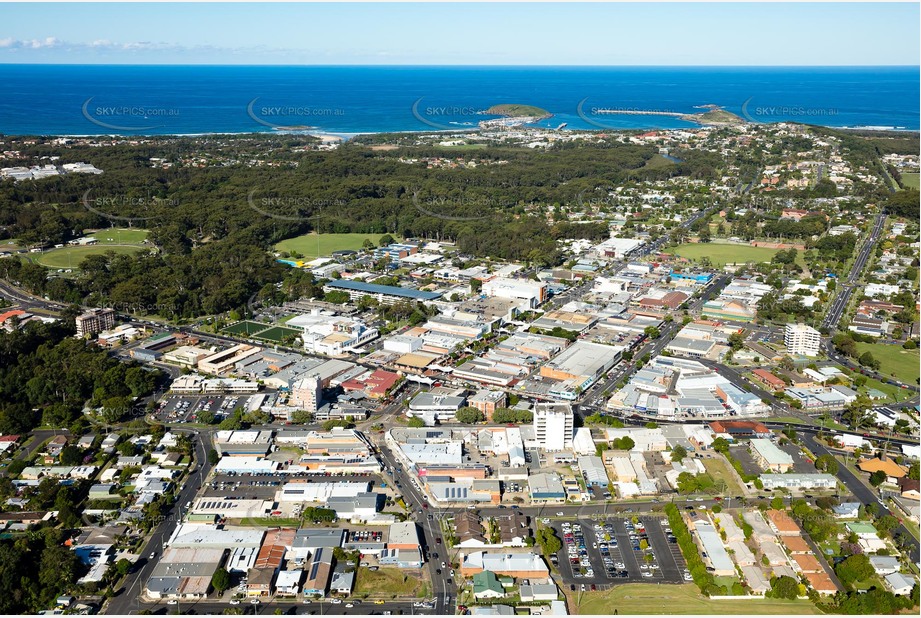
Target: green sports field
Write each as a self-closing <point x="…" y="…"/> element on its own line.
<point x="894" y="359"/>
<point x="310" y="246"/>
<point x="245" y="327"/>
<point x="70" y="257"/>
<point x="722" y="254"/>
<point x="120" y="236"/>
<point x="277" y="333"/>
<point x="910" y="180"/>
<point x="258" y="330"/>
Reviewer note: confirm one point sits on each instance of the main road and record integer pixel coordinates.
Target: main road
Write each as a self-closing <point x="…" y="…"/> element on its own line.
<point x="845" y="288"/>
<point x="127" y="600"/>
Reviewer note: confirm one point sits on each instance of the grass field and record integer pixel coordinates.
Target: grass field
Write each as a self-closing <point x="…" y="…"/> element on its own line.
<point x="720" y="470"/>
<point x="309" y="246"/>
<point x="895" y="393"/>
<point x="70" y="257"/>
<point x="722" y="254"/>
<point x="277" y="333"/>
<point x="386" y="583"/>
<point x="120" y="236"/>
<point x="911" y="180"/>
<point x="894" y="359"/>
<point x="679" y="599"/>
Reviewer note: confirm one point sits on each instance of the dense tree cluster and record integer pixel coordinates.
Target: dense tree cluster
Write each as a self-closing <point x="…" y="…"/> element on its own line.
<point x="47" y="377"/>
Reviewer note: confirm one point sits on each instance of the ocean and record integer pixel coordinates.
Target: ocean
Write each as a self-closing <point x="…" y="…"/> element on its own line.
<point x="189" y="100"/>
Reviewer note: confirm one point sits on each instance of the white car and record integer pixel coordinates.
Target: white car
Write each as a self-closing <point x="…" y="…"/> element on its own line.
<point x="255" y="602"/>
<point x="349" y="605"/>
<point x="172" y="602"/>
<point x="560" y="514"/>
<point x="335" y="601"/>
<point x="234" y="601"/>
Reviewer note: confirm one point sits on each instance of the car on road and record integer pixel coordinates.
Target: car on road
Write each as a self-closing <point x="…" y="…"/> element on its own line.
<point x="379" y="602"/>
<point x="255" y="602"/>
<point x="234" y="601"/>
<point x="349" y="605"/>
<point x="172" y="602"/>
<point x="560" y="514"/>
<point x="336" y="601"/>
<point x="153" y="555"/>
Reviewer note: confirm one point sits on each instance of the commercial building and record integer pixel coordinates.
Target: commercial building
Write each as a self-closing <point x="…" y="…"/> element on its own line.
<point x="546" y="487"/>
<point x="384" y="294"/>
<point x="531" y="292"/>
<point x="522" y="565"/>
<point x="487" y="401"/>
<point x="94" y="321"/>
<point x="593" y="471"/>
<point x="553" y="426"/>
<point x="184" y="573"/>
<point x="802" y="339"/>
<point x="226" y="360"/>
<point x="580" y="365"/>
<point x="431" y="407"/>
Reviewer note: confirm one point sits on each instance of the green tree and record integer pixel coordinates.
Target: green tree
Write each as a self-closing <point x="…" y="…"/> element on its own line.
<point x="469" y="415"/>
<point x="854" y="569"/>
<point x="877" y="478"/>
<point x="679" y="453"/>
<point x="416" y="422"/>
<point x="784" y="587"/>
<point x="213" y="457"/>
<point x="71" y="455"/>
<point x="302" y="417"/>
<point x="220" y="581"/>
<point x="826" y="463"/>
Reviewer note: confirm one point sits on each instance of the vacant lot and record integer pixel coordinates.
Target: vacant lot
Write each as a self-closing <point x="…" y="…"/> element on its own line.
<point x="70" y="257"/>
<point x="311" y="245"/>
<point x="894" y="359"/>
<point x="722" y="254"/>
<point x="678" y="599"/>
<point x="387" y="583"/>
<point x="720" y="470"/>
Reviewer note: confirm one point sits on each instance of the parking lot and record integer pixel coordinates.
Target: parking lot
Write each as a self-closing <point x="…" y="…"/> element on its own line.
<point x="185" y="408"/>
<point x="617" y="550"/>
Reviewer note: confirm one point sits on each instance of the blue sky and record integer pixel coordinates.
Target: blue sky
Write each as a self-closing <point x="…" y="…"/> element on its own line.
<point x="474" y="34"/>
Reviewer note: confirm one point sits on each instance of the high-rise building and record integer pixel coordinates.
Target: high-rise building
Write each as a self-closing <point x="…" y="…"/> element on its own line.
<point x="95" y="321"/>
<point x="802" y="339"/>
<point x="307" y="393"/>
<point x="553" y="426"/>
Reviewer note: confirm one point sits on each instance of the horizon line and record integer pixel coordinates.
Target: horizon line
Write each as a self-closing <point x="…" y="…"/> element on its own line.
<point x="513" y="66"/>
